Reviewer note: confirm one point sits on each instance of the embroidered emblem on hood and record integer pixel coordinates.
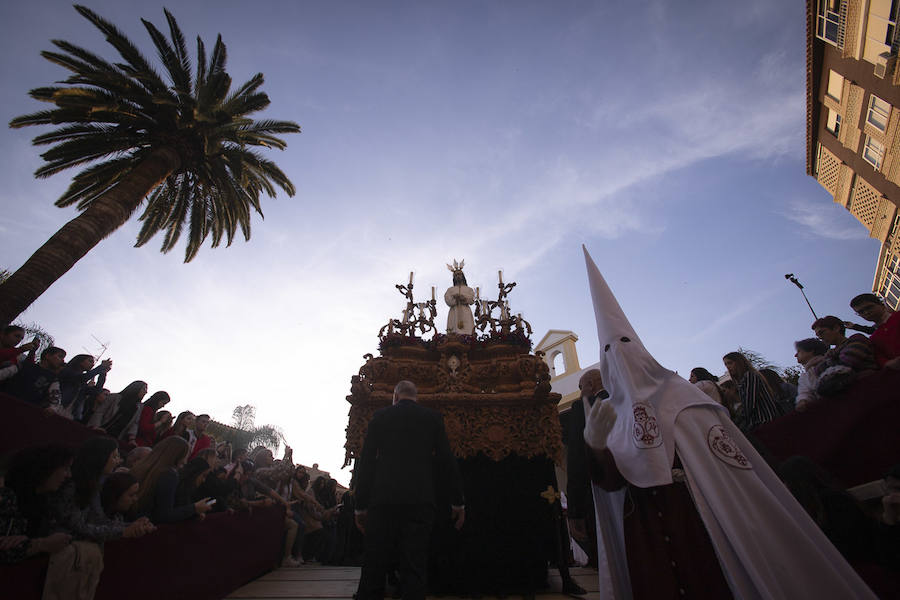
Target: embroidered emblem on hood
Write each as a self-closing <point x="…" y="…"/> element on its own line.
<point x="646" y="429"/>
<point x="725" y="449"/>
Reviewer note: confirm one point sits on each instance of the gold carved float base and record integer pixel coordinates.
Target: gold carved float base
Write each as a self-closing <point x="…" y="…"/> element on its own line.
<point x="494" y="395"/>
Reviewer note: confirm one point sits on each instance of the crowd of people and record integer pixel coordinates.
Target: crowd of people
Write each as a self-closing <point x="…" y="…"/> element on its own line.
<point x="146" y="467"/>
<point x="831" y="361"/>
<point x="143" y="468"/>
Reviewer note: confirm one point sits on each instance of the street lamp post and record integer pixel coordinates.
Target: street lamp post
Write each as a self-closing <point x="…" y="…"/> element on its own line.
<point x="790" y="277"/>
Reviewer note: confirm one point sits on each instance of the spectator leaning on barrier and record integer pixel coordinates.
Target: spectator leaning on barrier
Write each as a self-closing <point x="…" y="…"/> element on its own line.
<point x="886" y="337"/>
<point x="146" y="426"/>
<point x="854" y="351"/>
<point x="73" y="379"/>
<point x="123" y="424"/>
<point x="203" y="440"/>
<point x="11" y="354"/>
<point x="810" y="353"/>
<point x="38" y="384"/>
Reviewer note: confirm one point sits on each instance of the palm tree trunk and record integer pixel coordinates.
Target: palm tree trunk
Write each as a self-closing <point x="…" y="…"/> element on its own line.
<point x="77" y="237"/>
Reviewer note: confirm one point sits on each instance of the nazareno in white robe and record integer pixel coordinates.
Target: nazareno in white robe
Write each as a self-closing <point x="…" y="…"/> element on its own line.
<point x="768" y="547"/>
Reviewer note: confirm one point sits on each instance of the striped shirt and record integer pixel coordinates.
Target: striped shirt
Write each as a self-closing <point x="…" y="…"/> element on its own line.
<point x="855" y="352"/>
<point x="758" y="406"/>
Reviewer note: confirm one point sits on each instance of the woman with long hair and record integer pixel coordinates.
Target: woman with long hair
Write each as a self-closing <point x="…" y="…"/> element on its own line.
<point x="162" y="422"/>
<point x="190" y="478"/>
<point x="156" y="473"/>
<point x="118" y="495"/>
<point x="34" y="475"/>
<point x="758" y="403"/>
<point x="146" y="431"/>
<point x="128" y="403"/>
<point x="784" y="393"/>
<point x="73" y="383"/>
<point x="182" y="426"/>
<point x="708" y="384"/>
<point x="95" y="460"/>
<point x="76" y="507"/>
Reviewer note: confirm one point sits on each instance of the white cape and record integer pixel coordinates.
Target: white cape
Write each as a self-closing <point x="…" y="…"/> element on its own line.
<point x="768" y="547"/>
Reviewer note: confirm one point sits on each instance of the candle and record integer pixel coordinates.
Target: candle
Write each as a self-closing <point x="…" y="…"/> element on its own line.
<point x="410" y="277"/>
<point x="477" y="293"/>
<point x="432" y="293"/>
<point x="500" y="276"/>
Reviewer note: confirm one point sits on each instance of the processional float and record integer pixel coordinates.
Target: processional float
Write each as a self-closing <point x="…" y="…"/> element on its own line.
<point x="502" y="423"/>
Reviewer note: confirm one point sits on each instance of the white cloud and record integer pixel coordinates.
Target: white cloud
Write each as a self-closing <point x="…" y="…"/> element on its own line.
<point x="816" y="219"/>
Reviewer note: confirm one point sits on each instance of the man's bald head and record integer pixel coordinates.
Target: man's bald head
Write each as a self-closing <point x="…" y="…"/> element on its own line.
<point x="591" y="383"/>
<point x="405" y="390"/>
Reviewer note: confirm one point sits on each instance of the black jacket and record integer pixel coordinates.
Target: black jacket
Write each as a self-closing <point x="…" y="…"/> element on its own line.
<point x="406" y="447"/>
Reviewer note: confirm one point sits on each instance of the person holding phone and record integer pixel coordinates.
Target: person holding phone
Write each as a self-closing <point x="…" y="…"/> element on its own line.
<point x="158" y="478"/>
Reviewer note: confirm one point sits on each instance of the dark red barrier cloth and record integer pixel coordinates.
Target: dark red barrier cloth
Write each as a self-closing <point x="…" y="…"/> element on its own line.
<point x="23" y="425"/>
<point x="191" y="560"/>
<point x="194" y="560"/>
<point x="854" y="435"/>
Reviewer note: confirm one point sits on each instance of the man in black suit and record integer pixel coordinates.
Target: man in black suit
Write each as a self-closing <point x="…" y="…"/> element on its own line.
<point x="582" y="523"/>
<point x="405" y="448"/>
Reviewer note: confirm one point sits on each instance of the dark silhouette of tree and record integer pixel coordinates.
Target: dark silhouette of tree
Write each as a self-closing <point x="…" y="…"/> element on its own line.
<point x="244" y="417"/>
<point x="244" y="433"/>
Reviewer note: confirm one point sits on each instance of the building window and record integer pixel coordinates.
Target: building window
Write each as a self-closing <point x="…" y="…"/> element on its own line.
<point x="890" y="285"/>
<point x="834" y="122"/>
<point x="880" y="30"/>
<point x="879" y="111"/>
<point x="835" y="85"/>
<point x="873" y="152"/>
<point x="890" y="37"/>
<point x="828" y="22"/>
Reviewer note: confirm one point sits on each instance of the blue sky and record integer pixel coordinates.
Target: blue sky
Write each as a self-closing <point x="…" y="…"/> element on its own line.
<point x="669" y="140"/>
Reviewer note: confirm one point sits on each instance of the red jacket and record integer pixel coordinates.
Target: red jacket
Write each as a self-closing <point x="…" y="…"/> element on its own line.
<point x="146" y="434"/>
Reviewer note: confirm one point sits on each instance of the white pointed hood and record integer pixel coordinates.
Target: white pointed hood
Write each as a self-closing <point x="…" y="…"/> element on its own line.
<point x="647" y="397"/>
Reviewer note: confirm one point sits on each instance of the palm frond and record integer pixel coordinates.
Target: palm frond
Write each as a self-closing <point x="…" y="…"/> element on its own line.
<point x="218" y="58"/>
<point x="200" y="80"/>
<point x="179" y="47"/>
<point x="139" y="66"/>
<point x="181" y="78"/>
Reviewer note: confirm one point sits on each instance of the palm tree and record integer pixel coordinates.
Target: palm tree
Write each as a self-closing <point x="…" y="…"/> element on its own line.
<point x="183" y="145"/>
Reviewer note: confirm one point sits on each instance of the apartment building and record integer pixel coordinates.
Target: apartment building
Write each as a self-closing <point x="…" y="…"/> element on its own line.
<point x="853" y="119"/>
